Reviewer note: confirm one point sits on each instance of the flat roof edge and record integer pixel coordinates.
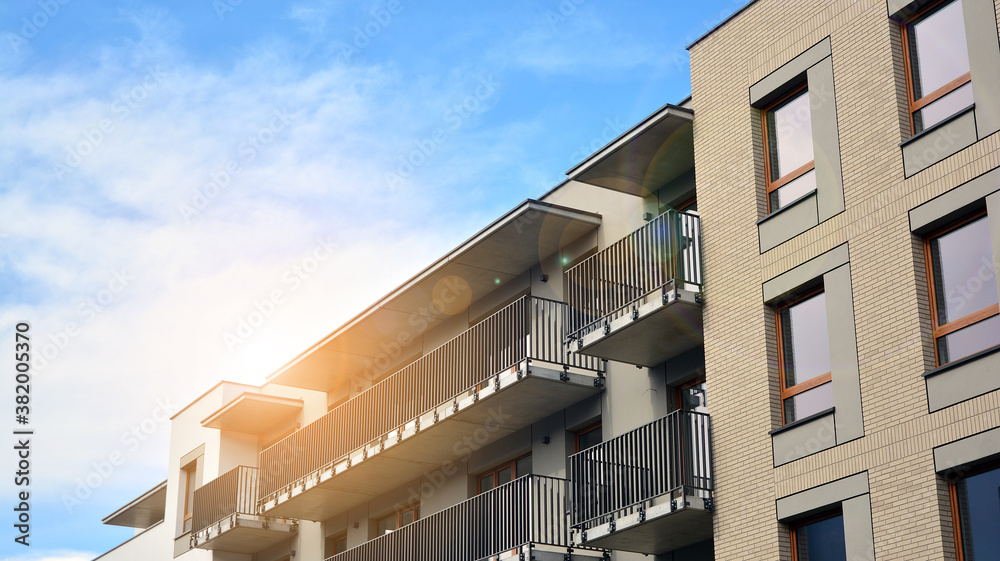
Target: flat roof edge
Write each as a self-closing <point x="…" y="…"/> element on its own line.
<point x="606" y="150"/>
<point x="719" y="25"/>
<point x="134" y="502"/>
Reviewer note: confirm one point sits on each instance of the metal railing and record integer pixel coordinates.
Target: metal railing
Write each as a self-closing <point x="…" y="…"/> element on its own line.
<point x="664" y="252"/>
<point x="615" y="477"/>
<point x="530" y="509"/>
<point x="234" y="492"/>
<point x="529" y="328"/>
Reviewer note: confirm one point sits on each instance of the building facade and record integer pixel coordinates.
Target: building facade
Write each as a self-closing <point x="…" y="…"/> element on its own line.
<point x="811" y="239"/>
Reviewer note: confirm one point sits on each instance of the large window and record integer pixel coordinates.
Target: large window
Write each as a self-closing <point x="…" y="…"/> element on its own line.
<point x="504" y="473"/>
<point x="588" y="436"/>
<point x="335" y="545"/>
<point x="804" y="358"/>
<point x="788" y="149"/>
<point x="937" y="64"/>
<point x="396" y="520"/>
<point x="963" y="290"/>
<point x="819" y="539"/>
<point x="976" y="511"/>
<point x="188" y="474"/>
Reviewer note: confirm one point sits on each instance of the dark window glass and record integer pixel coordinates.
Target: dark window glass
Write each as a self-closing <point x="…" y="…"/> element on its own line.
<point x="978" y="499"/>
<point x="486" y="482"/>
<point x="805" y="340"/>
<point x="588" y="437"/>
<point x="789" y="130"/>
<point x="694" y="398"/>
<point x="821" y="541"/>
<point x="969" y="340"/>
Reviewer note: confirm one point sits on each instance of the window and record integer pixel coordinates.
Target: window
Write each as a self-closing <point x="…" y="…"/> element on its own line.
<point x="188" y="474"/>
<point x="819" y="539"/>
<point x="504" y="473"/>
<point x="804" y="358"/>
<point x="788" y="149"/>
<point x="961" y="273"/>
<point x="692" y="396"/>
<point x="588" y="436"/>
<point x="936" y="58"/>
<point x="396" y="520"/>
<point x="335" y="545"/>
<point x="975" y="506"/>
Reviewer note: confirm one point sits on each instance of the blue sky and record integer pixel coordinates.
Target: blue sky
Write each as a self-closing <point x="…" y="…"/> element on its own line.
<point x="167" y="166"/>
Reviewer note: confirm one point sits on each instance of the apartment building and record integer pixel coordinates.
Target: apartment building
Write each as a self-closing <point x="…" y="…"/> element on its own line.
<point x="541" y="391"/>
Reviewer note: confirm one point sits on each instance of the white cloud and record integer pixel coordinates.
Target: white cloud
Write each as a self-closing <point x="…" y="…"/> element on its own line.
<point x="311" y="149"/>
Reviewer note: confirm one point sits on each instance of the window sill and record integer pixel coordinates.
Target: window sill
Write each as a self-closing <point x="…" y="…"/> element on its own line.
<point x="784" y="208"/>
<point x="801" y="421"/>
<point x="937" y="126"/>
<point x="964" y="360"/>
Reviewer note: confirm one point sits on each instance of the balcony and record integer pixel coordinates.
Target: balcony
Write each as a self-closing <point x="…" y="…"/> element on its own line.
<point x="501" y="375"/>
<point x="225" y="519"/>
<point x="639" y="300"/>
<point x="523" y="519"/>
<point x="647" y="491"/>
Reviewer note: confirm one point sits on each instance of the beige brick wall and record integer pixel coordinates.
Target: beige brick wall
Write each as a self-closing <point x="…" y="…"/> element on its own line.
<point x="909" y="503"/>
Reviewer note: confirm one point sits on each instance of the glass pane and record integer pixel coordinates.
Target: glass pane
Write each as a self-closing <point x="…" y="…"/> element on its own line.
<point x="963" y="270"/>
<point x="969" y="340"/>
<point x="805" y="341"/>
<point x="789" y="135"/>
<point x="524" y="466"/>
<point x="809" y="402"/>
<point x="821" y="541"/>
<point x="406" y="517"/>
<point x="790" y="192"/>
<point x="938" y="51"/>
<point x="386" y="525"/>
<point x="943" y="108"/>
<point x="979" y="515"/>
<point x="485" y="483"/>
<point x="340" y="545"/>
<point x="505" y="475"/>
<point x="588" y="439"/>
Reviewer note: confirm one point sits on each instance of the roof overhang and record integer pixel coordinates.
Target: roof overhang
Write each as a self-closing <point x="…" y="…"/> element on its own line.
<point x="254" y="413"/>
<point x="644" y="158"/>
<point x="385" y="334"/>
<point x="142" y="512"/>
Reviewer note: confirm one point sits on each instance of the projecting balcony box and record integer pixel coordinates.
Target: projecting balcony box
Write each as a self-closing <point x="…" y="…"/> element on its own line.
<point x="142" y="512"/>
<point x="647" y="491"/>
<point x="255" y="413"/>
<point x="639" y="300"/>
<point x="388" y="333"/>
<point x="225" y="515"/>
<point x="523" y="519"/>
<point x="503" y="374"/>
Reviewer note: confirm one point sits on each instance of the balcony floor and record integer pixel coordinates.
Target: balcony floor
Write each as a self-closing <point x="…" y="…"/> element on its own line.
<point x="662" y="531"/>
<point x="245" y="534"/>
<point x="662" y="330"/>
<point x="482" y="417"/>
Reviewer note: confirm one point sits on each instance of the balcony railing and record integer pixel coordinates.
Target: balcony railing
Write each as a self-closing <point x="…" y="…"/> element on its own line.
<point x="612" y="283"/>
<point x="528" y="329"/>
<point x="232" y="493"/>
<point x="528" y="510"/>
<point x="615" y="478"/>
